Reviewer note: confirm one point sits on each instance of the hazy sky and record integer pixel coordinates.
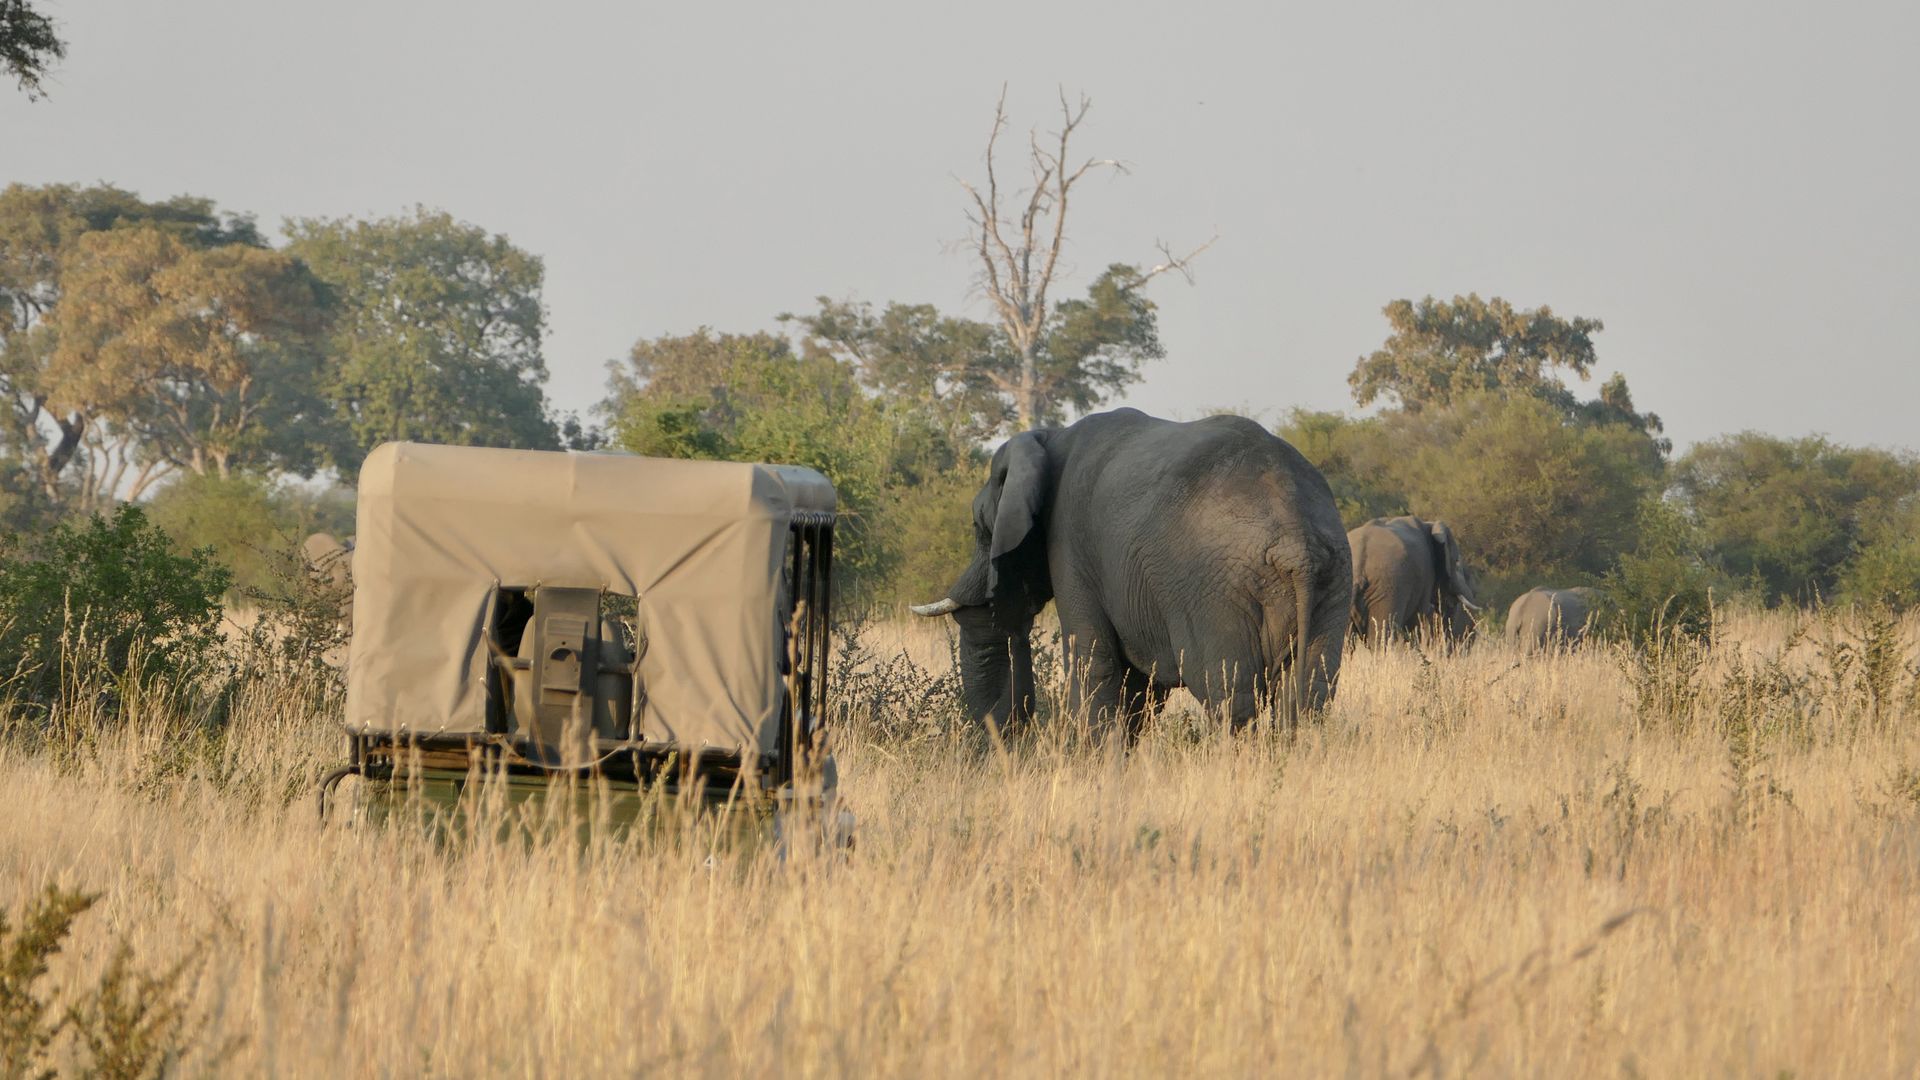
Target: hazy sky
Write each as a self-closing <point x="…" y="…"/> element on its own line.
<point x="1734" y="189"/>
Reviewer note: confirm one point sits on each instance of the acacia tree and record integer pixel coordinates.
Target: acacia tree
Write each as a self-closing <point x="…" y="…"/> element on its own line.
<point x="1019" y="236"/>
<point x="40" y="229"/>
<point x="912" y="355"/>
<point x="184" y="358"/>
<point x="437" y="334"/>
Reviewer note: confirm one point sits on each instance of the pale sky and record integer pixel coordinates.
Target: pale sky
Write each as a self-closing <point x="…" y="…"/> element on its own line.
<point x="1733" y="188"/>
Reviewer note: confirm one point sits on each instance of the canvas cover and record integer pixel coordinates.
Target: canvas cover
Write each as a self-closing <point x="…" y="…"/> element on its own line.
<point x="700" y="544"/>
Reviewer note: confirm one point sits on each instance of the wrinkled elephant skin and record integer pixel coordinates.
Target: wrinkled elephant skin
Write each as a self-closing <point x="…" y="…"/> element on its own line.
<point x="1206" y="554"/>
<point x="1406" y="573"/>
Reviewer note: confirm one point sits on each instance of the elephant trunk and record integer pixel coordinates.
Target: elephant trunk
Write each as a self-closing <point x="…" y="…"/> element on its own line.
<point x="996" y="673"/>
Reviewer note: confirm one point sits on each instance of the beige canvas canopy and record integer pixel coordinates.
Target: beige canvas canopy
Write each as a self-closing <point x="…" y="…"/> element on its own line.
<point x="700" y="544"/>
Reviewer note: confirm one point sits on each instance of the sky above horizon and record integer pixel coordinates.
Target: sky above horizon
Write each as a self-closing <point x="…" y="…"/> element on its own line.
<point x="1734" y="191"/>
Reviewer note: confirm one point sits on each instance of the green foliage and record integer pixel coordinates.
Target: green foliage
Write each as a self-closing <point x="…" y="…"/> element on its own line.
<point x="1357" y="459"/>
<point x="1443" y="351"/>
<point x="42" y="230"/>
<point x="1094" y="346"/>
<point x="240" y="519"/>
<point x="1786" y="515"/>
<point x="1885" y="568"/>
<point x="909" y="354"/>
<point x="750" y="398"/>
<point x="116" y="585"/>
<point x="929" y="526"/>
<point x="208" y="357"/>
<point x="1665" y="585"/>
<point x="966" y="377"/>
<point x="28" y="45"/>
<point x="437" y="336"/>
<point x="1532" y="496"/>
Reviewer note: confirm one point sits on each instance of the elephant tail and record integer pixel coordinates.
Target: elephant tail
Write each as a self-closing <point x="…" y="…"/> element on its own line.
<point x="1302" y="647"/>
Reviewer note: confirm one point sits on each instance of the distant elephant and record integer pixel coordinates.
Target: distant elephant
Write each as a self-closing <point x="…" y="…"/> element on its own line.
<point x="1408" y="572"/>
<point x="1206" y="554"/>
<point x="1543" y="616"/>
<point x="328" y="559"/>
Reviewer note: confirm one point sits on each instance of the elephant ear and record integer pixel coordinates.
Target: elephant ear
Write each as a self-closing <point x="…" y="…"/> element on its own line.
<point x="1022" y="492"/>
<point x="1448" y="564"/>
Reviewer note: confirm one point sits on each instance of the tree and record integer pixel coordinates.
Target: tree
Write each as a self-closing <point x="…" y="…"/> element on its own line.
<point x="1534" y="498"/>
<point x="28" y="45"/>
<point x="963" y="375"/>
<point x="205" y="359"/>
<point x="1786" y="515"/>
<point x="437" y="335"/>
<point x="40" y="228"/>
<point x="1019" y="242"/>
<point x="1355" y="456"/>
<point x="1441" y="350"/>
<point x="912" y="355"/>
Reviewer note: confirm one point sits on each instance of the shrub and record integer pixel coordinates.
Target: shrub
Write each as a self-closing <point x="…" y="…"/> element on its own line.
<point x="237" y="517"/>
<point x="100" y="591"/>
<point x="1885" y="568"/>
<point x="1666" y="584"/>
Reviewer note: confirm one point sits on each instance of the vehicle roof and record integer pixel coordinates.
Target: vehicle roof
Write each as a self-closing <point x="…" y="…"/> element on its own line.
<point x="699" y="544"/>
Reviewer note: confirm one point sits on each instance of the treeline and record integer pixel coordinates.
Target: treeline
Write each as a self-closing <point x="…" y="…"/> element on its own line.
<point x="1479" y="427"/>
<point x="166" y="353"/>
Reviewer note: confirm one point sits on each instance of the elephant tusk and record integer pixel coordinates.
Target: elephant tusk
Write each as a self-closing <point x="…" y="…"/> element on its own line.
<point x="943" y="607"/>
<point x="1471" y="606"/>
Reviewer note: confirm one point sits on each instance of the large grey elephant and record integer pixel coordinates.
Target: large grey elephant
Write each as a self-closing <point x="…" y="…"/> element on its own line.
<point x="1206" y="554"/>
<point x="1406" y="573"/>
<point x="1541" y="617"/>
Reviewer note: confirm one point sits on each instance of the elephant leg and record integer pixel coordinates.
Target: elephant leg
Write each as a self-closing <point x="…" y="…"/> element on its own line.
<point x="1095" y="677"/>
<point x="1141" y="699"/>
<point x="1231" y="690"/>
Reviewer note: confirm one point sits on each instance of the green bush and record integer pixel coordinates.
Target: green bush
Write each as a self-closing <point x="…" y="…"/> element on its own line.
<point x="99" y="591"/>
<point x="240" y="518"/>
<point x="1885" y="568"/>
<point x="1665" y="585"/>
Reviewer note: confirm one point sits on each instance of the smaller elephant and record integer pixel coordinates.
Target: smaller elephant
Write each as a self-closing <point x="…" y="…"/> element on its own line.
<point x="1543" y="617"/>
<point x="1408" y="573"/>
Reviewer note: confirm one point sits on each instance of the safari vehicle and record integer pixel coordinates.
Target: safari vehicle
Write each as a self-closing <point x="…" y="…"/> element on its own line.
<point x="538" y="617"/>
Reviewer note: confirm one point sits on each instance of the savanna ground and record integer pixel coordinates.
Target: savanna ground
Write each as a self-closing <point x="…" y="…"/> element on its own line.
<point x="1669" y="862"/>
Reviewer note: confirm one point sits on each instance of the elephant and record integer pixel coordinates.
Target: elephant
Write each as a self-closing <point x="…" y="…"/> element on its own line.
<point x="1407" y="572"/>
<point x="328" y="559"/>
<point x="1206" y="554"/>
<point x="1541" y="616"/>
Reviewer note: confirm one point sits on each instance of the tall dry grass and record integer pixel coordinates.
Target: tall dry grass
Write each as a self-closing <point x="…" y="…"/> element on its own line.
<point x="1698" y="863"/>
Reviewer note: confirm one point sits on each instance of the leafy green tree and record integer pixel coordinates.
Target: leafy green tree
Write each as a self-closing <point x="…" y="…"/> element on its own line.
<point x="1786" y="515"/>
<point x="99" y="592"/>
<point x="912" y="355"/>
<point x="40" y="230"/>
<point x="207" y="357"/>
<point x="240" y="519"/>
<point x="437" y="333"/>
<point x="1666" y="584"/>
<point x="968" y="376"/>
<point x="752" y="398"/>
<point x="28" y="45"/>
<point x="1356" y="457"/>
<point x="1441" y="351"/>
<point x="1885" y="568"/>
<point x="1533" y="497"/>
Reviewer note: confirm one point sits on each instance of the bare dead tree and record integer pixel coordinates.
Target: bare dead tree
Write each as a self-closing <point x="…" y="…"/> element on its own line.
<point x="1019" y="237"/>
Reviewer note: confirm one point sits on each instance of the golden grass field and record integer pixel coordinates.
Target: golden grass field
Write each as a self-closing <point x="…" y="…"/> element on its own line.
<point x="1486" y="864"/>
